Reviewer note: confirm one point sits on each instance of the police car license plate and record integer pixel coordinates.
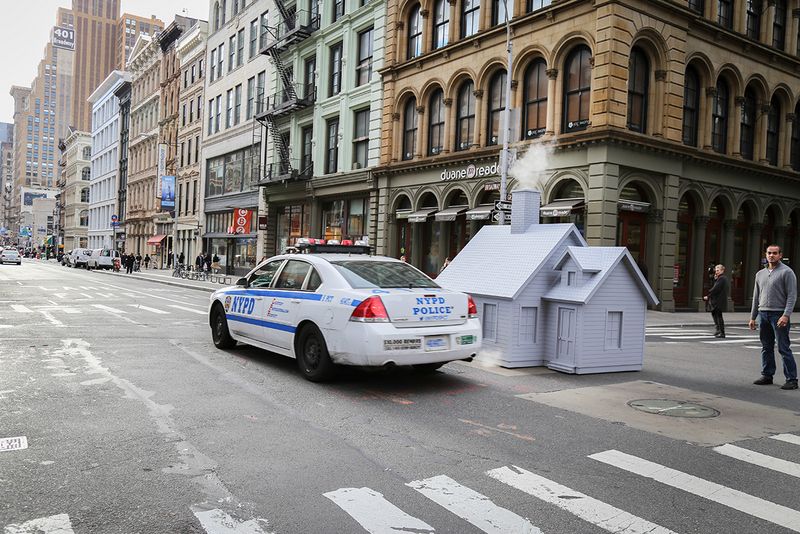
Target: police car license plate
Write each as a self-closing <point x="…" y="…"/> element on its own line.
<point x="433" y="343"/>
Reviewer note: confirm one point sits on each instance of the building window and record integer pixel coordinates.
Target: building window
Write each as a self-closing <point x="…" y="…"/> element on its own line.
<point x="332" y="145"/>
<point x="779" y="25"/>
<point x="638" y="81"/>
<point x="262" y="38"/>
<point x="219" y="113"/>
<point x="465" y="116"/>
<point x="338" y="9"/>
<point x="470" y="17"/>
<point x="534" y="5"/>
<point x="260" y="88"/>
<point x="773" y="130"/>
<point x="86" y="174"/>
<point x="85" y="194"/>
<point x="535" y="95"/>
<point x="489" y="322"/>
<point x="253" y="38"/>
<point x="231" y="52"/>
<point x="335" y="81"/>
<point x="725" y="13"/>
<point x="414" y="47"/>
<point x="499" y="11"/>
<point x="229" y="108"/>
<point x="237" y="106"/>
<point x="441" y="24"/>
<point x="361" y="139"/>
<point x="364" y="68"/>
<point x="311" y="78"/>
<point x="410" y="129"/>
<point x="240" y="48"/>
<point x="577" y="89"/>
<point x="217" y="16"/>
<point x="84" y="218"/>
<point x="697" y="6"/>
<point x="497" y="104"/>
<point x="691" y="106"/>
<point x="748" y="124"/>
<point x="754" y="19"/>
<point x="210" y="116"/>
<point x="527" y="325"/>
<point x="436" y="112"/>
<point x="614" y="330"/>
<point x="251" y="97"/>
<point x="231" y="173"/>
<point x="307" y="149"/>
<point x="719" y="118"/>
<point x="220" y="60"/>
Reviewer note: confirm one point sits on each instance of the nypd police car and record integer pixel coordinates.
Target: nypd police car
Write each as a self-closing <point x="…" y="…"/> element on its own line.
<point x="332" y="307"/>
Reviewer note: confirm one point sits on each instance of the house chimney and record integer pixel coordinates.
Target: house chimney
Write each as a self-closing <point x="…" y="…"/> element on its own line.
<point x="524" y="209"/>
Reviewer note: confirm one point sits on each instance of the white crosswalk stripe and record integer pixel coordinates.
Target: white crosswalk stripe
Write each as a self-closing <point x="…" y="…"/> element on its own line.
<point x="788" y="438"/>
<point x="108" y="309"/>
<point x="472" y="506"/>
<point x="374" y="513"/>
<point x="147" y="308"/>
<point x="757" y="458"/>
<point x="55" y="524"/>
<point x="184" y="308"/>
<point x="218" y="522"/>
<point x="19" y="308"/>
<point x="738" y="500"/>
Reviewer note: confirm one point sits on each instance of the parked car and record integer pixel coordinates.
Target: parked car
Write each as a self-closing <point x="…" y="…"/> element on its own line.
<point x="10" y="255"/>
<point x="65" y="258"/>
<point x="79" y="256"/>
<point x="102" y="258"/>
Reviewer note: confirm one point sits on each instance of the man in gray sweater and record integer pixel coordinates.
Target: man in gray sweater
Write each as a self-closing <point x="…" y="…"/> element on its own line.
<point x="774" y="296"/>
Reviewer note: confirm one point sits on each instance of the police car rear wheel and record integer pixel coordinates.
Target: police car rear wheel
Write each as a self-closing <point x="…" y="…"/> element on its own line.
<point x="312" y="357"/>
<point x="219" y="330"/>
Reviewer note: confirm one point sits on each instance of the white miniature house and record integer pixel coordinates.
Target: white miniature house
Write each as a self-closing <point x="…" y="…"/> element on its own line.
<point x="545" y="298"/>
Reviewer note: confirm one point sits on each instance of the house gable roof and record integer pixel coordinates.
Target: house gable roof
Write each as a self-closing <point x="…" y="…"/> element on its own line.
<point x="496" y="263"/>
<point x="598" y="262"/>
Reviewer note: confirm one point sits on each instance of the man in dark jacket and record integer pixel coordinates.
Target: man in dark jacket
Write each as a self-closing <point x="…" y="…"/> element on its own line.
<point x="718" y="299"/>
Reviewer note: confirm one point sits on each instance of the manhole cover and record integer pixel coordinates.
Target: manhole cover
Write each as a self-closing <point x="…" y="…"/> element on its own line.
<point x="673" y="408"/>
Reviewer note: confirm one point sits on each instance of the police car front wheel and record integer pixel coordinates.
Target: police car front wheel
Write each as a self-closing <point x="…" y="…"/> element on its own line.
<point x="312" y="355"/>
<point x="219" y="330"/>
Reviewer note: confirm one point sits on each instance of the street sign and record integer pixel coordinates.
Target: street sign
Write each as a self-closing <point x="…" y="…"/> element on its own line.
<point x="114" y="224"/>
<point x="498" y="216"/>
<point x="114" y="218"/>
<point x="504" y="205"/>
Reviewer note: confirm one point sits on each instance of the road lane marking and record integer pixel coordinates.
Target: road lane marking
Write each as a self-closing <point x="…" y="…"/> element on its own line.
<point x="19" y="308"/>
<point x="108" y="308"/>
<point x="743" y="502"/>
<point x="142" y="293"/>
<point x="762" y="460"/>
<point x="200" y="312"/>
<point x="147" y="308"/>
<point x="218" y="522"/>
<point x="788" y="438"/>
<point x="53" y="321"/>
<point x="88" y="296"/>
<point x="374" y="513"/>
<point x="106" y="295"/>
<point x="55" y="524"/>
<point x="13" y="444"/>
<point x="471" y="506"/>
<point x="587" y="508"/>
<point x="743" y="340"/>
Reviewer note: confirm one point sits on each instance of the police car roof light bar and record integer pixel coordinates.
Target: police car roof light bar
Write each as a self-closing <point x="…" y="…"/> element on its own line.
<point x="308" y="248"/>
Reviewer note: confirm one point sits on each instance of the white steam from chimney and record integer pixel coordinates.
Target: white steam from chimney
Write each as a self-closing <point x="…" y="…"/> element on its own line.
<point x="529" y="170"/>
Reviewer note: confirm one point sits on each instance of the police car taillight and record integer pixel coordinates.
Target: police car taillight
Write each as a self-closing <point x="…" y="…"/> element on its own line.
<point x="370" y="310"/>
<point x="472" y="309"/>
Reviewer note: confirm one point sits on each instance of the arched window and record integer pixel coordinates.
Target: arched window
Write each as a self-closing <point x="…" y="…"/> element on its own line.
<point x="465" y="116"/>
<point x="470" y="17"/>
<point x="441" y="23"/>
<point x="753" y="19"/>
<point x="86" y="174"/>
<point x="87" y="152"/>
<point x="84" y="218"/>
<point x="85" y="194"/>
<point x="414" y="33"/>
<point x="779" y="25"/>
<point x="223" y="12"/>
<point x="535" y="94"/>
<point x="496" y="103"/>
<point x="638" y="81"/>
<point x="773" y="130"/>
<point x="748" y="125"/>
<point x="795" y="149"/>
<point x="691" y="106"/>
<point x="216" y="15"/>
<point x="719" y="118"/>
<point x="235" y="7"/>
<point x="577" y="89"/>
<point x="410" y="129"/>
<point x="436" y="123"/>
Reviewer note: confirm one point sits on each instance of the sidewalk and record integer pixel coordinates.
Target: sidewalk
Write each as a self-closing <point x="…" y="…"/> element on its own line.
<point x="164" y="276"/>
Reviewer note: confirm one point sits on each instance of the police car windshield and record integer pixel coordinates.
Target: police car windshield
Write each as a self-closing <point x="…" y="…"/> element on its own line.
<point x="381" y="274"/>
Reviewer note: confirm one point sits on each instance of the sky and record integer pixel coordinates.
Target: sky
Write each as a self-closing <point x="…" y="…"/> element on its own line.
<point x="25" y="28"/>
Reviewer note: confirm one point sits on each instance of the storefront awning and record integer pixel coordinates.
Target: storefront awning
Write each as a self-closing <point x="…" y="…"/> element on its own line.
<point x="402" y="214"/>
<point x="450" y="214"/>
<point x="561" y="207"/>
<point x="156" y="239"/>
<point x="480" y="213"/>
<point x="421" y="215"/>
<point x="633" y="205"/>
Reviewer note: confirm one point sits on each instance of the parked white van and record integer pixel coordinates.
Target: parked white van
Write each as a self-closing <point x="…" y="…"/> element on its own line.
<point x="79" y="256"/>
<point x="101" y="258"/>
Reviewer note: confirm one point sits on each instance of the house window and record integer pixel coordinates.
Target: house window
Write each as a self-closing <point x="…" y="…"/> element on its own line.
<point x="691" y="106"/>
<point x="638" y="81"/>
<point x="754" y="19"/>
<point x="364" y="68"/>
<point x="614" y="330"/>
<point x="779" y="25"/>
<point x="527" y="325"/>
<point x="489" y="322"/>
<point x="535" y="94"/>
<point x="441" y="23"/>
<point x="773" y="130"/>
<point x="725" y="13"/>
<point x="719" y="118"/>
<point x="499" y="11"/>
<point x="436" y="112"/>
<point x="497" y="104"/>
<point x="409" y="129"/>
<point x="465" y="116"/>
<point x="534" y="5"/>
<point x="414" y="33"/>
<point x="335" y="81"/>
<point x="577" y="90"/>
<point x="571" y="278"/>
<point x="332" y="145"/>
<point x="470" y="17"/>
<point x="84" y="218"/>
<point x="748" y="124"/>
<point x="361" y="139"/>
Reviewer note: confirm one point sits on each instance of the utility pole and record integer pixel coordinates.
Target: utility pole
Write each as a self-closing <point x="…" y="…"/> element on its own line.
<point x="506" y="116"/>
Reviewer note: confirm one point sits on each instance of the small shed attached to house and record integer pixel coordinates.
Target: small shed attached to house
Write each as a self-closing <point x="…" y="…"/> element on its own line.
<point x="596" y="313"/>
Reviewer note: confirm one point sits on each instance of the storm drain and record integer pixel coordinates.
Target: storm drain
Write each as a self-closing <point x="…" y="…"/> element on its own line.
<point x="673" y="408"/>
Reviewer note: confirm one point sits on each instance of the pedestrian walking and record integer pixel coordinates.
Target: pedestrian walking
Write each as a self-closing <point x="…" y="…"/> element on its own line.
<point x="215" y="266"/>
<point x="774" y="296"/>
<point x="717" y="299"/>
<point x="181" y="259"/>
<point x="147" y="261"/>
<point x="207" y="262"/>
<point x="198" y="261"/>
<point x="137" y="265"/>
<point x="129" y="259"/>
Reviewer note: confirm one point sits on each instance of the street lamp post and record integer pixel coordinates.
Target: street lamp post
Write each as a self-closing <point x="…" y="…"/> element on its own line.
<point x="506" y="115"/>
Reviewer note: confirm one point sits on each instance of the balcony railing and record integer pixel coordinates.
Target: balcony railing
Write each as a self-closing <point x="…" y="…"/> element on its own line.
<point x="299" y="169"/>
<point x="287" y="33"/>
<point x="287" y="100"/>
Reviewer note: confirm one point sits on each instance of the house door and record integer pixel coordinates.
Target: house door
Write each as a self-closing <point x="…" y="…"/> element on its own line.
<point x="565" y="342"/>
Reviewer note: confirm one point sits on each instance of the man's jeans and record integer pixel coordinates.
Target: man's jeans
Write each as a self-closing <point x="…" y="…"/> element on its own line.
<point x="769" y="333"/>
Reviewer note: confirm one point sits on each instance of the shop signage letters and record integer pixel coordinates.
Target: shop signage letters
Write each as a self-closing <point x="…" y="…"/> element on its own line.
<point x="469" y="172"/>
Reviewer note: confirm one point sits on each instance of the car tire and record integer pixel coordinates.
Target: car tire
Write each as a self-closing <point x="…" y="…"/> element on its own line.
<point x="427" y="368"/>
<point x="313" y="359"/>
<point x="220" y="334"/>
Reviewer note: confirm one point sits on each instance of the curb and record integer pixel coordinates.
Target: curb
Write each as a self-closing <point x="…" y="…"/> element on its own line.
<point x="167" y="282"/>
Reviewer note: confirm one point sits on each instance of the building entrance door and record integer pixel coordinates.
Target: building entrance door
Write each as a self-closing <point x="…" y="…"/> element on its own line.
<point x="631" y="228"/>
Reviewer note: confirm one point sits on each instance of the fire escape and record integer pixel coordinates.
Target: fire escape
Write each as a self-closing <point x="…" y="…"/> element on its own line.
<point x="293" y="27"/>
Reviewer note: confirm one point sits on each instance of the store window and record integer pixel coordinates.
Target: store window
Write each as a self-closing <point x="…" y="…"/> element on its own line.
<point x="231" y="173"/>
<point x="292" y="223"/>
<point x="344" y="219"/>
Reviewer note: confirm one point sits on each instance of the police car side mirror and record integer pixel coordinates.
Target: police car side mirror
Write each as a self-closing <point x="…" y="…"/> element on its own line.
<point x="242" y="282"/>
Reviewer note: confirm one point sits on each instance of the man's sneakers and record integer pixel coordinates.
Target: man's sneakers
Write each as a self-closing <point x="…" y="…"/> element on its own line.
<point x="790" y="384"/>
<point x="763" y="381"/>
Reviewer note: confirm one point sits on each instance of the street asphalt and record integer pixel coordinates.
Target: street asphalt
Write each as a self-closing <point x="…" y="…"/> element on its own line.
<point x="135" y="423"/>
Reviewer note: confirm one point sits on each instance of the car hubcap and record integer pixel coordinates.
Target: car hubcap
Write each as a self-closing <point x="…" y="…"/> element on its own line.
<point x="312" y="354"/>
<point x="219" y="327"/>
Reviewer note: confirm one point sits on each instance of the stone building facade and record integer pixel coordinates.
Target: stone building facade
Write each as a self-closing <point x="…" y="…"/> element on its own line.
<point x="77" y="175"/>
<point x="669" y="126"/>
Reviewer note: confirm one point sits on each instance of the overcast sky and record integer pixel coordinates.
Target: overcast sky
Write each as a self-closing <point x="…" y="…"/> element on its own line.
<point x="25" y="28"/>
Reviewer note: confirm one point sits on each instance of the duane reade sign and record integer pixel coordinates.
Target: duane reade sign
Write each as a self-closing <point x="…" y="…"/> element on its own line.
<point x="477" y="171"/>
<point x="64" y="38"/>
